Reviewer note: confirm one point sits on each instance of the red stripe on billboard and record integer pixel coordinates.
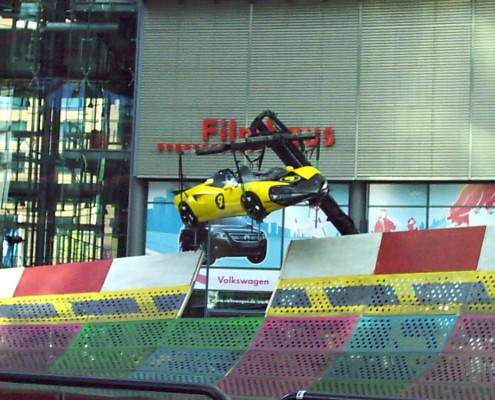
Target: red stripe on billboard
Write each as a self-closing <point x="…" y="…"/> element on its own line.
<point x="63" y="278"/>
<point x="456" y="249"/>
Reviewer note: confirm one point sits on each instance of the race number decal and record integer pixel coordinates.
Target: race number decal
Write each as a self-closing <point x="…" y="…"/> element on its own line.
<point x="220" y="201"/>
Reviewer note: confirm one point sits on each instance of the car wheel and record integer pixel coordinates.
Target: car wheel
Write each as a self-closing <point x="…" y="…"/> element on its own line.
<point x="187" y="215"/>
<point x="258" y="258"/>
<point x="253" y="206"/>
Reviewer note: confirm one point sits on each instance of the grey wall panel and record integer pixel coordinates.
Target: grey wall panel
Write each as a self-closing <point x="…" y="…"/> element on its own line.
<point x="408" y="86"/>
<point x="483" y="143"/>
<point x="193" y="67"/>
<point x="415" y="88"/>
<point x="304" y="67"/>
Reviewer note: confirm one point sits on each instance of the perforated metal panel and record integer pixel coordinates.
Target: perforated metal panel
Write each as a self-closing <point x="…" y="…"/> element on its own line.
<point x="432" y="293"/>
<point x="186" y="365"/>
<point x="187" y="350"/>
<point x="116" y="362"/>
<point x="227" y="333"/>
<point x="262" y="387"/>
<point x="402" y="333"/>
<point x="359" y="387"/>
<point x="406" y="367"/>
<point x="292" y="352"/>
<point x="33" y="348"/>
<point x="123" y="334"/>
<point x="449" y="391"/>
<point x="473" y="334"/>
<point x="37" y="336"/>
<point x="166" y="302"/>
<point x="328" y="334"/>
<point x="285" y="364"/>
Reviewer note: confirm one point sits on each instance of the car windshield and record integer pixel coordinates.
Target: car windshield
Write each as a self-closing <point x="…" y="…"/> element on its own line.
<point x="223" y="177"/>
<point x="232" y="221"/>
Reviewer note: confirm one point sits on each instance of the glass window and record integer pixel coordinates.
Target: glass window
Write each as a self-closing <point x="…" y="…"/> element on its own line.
<point x="397" y="207"/>
<point x="469" y="204"/>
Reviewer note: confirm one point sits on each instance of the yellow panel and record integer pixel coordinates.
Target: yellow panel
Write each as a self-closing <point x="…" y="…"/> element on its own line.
<point x="63" y="308"/>
<point x="420" y="293"/>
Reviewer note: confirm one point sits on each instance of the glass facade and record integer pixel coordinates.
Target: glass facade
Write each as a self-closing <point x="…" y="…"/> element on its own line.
<point x="66" y="109"/>
<point x="413" y="206"/>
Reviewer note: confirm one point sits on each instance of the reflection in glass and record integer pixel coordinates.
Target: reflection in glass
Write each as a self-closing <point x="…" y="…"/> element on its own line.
<point x="66" y="109"/>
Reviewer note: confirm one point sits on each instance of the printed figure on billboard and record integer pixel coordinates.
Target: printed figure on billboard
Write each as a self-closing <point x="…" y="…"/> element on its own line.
<point x="475" y="206"/>
<point x="384" y="223"/>
<point x="411" y="224"/>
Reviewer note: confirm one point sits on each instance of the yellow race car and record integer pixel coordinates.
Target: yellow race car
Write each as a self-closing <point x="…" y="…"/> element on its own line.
<point x="255" y="194"/>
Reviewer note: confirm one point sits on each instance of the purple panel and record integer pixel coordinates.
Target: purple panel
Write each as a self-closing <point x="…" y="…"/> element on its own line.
<point x="465" y="369"/>
<point x="450" y="391"/>
<point x="262" y="386"/>
<point x="288" y="364"/>
<point x="289" y="354"/>
<point x="38" y="336"/>
<point x="473" y="333"/>
<point x="327" y="334"/>
<point x="33" y="348"/>
<point x="462" y="368"/>
<point x="28" y="360"/>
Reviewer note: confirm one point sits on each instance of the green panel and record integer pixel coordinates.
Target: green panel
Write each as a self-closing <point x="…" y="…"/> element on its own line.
<point x="386" y="388"/>
<point x="120" y="349"/>
<point x="214" y="333"/>
<point x="116" y="362"/>
<point x="123" y="334"/>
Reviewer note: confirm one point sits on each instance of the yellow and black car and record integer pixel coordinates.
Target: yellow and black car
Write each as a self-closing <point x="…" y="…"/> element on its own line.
<point x="255" y="194"/>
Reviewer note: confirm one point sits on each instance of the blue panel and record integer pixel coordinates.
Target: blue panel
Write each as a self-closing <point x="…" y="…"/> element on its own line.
<point x="41" y="310"/>
<point x="451" y="292"/>
<point x="106" y="306"/>
<point x="370" y="295"/>
<point x="291" y="298"/>
<point x="402" y="333"/>
<point x="191" y="361"/>
<point x="169" y="302"/>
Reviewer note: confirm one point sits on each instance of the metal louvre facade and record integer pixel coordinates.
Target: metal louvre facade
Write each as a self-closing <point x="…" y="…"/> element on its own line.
<point x="408" y="87"/>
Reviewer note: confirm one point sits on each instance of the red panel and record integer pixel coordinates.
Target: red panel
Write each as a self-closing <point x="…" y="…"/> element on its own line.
<point x="63" y="278"/>
<point x="23" y="395"/>
<point x="456" y="249"/>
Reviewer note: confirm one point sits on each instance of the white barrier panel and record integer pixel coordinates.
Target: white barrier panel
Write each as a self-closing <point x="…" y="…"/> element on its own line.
<point x="339" y="256"/>
<point x="175" y="269"/>
<point x="9" y="279"/>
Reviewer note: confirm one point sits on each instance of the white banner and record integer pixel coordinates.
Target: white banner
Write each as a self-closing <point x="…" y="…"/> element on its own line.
<point x="244" y="280"/>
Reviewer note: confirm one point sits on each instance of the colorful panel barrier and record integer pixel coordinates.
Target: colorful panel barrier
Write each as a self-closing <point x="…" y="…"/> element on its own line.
<point x="408" y="314"/>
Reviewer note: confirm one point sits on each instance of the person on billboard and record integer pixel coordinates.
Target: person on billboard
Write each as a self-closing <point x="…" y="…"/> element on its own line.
<point x="384" y="223"/>
<point x="411" y="224"/>
<point x="475" y="206"/>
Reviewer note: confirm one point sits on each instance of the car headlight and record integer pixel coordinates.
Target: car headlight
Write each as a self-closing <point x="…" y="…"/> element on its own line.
<point x="281" y="193"/>
<point x="219" y="235"/>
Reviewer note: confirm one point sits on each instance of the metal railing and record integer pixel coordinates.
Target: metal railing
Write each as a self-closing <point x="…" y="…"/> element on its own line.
<point x="307" y="395"/>
<point x="61" y="381"/>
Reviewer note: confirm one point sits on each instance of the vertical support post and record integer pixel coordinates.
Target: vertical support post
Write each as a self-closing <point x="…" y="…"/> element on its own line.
<point x="357" y="205"/>
<point x="136" y="224"/>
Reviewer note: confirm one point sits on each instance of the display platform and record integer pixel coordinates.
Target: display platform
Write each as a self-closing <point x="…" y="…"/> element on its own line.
<point x="407" y="314"/>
